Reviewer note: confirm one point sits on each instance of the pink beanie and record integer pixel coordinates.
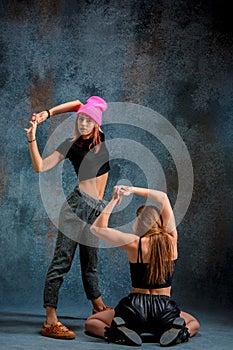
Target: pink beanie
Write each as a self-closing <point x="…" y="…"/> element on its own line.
<point x="93" y="108"/>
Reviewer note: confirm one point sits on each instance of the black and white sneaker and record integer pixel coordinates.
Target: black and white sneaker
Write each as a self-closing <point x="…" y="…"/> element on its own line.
<point x="176" y="335"/>
<point x="118" y="333"/>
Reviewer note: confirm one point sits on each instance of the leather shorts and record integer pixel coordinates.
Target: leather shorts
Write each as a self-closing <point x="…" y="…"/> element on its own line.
<point x="147" y="313"/>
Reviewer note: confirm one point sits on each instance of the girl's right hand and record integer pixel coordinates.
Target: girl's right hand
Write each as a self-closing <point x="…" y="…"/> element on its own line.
<point x="31" y="131"/>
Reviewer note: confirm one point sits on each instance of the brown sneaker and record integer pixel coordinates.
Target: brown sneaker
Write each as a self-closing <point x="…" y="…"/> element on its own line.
<point x="94" y="311"/>
<point x="57" y="330"/>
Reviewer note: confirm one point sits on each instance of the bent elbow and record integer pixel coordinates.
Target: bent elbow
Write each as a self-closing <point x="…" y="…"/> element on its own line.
<point x="94" y="229"/>
<point x="97" y="231"/>
<point x="163" y="198"/>
<point x="38" y="169"/>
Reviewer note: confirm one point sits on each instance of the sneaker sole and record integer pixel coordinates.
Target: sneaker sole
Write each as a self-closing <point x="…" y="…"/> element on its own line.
<point x="179" y="322"/>
<point x="130" y="337"/>
<point x="56" y="336"/>
<point x="118" y="321"/>
<point x="169" y="337"/>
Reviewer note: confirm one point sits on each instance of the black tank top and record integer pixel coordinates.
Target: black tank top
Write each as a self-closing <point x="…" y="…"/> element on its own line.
<point x="139" y="273"/>
<point x="87" y="164"/>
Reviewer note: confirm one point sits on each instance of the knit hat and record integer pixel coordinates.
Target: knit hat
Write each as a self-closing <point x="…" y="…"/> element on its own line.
<point x="93" y="108"/>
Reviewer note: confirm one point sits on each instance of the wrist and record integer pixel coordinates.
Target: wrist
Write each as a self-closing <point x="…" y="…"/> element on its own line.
<point x="49" y="113"/>
<point x="31" y="140"/>
<point x="114" y="200"/>
<point x="131" y="189"/>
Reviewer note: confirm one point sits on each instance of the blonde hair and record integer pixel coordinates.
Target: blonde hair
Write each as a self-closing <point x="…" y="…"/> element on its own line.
<point x="149" y="224"/>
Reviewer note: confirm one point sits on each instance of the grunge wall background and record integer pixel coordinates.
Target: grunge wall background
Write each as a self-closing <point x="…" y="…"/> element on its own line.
<point x="174" y="57"/>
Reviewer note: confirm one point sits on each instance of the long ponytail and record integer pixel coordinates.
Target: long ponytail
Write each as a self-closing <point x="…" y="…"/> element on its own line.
<point x="149" y="224"/>
<point x="161" y="252"/>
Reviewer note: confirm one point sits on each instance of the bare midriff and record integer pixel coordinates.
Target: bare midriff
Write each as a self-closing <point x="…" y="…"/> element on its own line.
<point x="94" y="187"/>
<point x="160" y="291"/>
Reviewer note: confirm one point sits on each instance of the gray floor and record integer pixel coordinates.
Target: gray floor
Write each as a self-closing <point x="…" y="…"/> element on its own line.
<point x="19" y="329"/>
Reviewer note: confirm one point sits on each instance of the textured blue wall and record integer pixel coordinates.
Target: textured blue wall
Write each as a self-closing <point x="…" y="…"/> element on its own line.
<point x="174" y="57"/>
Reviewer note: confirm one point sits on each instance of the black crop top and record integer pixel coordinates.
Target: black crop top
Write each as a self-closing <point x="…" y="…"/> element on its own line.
<point x="139" y="273"/>
<point x="87" y="164"/>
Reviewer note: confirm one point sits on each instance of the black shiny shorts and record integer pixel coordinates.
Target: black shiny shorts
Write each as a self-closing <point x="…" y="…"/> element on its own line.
<point x="147" y="313"/>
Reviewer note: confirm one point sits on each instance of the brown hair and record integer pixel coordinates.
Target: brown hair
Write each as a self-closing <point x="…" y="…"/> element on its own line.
<point x="149" y="224"/>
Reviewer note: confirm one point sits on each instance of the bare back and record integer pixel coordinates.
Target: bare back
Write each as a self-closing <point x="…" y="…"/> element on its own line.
<point x="132" y="251"/>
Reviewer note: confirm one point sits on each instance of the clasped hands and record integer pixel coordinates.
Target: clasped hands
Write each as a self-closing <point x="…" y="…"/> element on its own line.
<point x="120" y="191"/>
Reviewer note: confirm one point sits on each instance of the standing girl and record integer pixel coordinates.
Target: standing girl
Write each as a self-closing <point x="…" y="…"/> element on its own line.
<point x="89" y="156"/>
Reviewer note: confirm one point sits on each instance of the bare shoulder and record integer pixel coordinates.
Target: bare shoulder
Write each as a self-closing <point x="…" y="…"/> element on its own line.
<point x="133" y="243"/>
<point x="132" y="248"/>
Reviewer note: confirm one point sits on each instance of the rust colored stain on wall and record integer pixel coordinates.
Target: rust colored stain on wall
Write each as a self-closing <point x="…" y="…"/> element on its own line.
<point x="18" y="11"/>
<point x="44" y="12"/>
<point x="141" y="58"/>
<point x="24" y="10"/>
<point x="47" y="27"/>
<point x="41" y="92"/>
<point x="41" y="97"/>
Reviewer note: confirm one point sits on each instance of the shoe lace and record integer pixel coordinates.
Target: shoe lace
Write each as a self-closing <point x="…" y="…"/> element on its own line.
<point x="60" y="328"/>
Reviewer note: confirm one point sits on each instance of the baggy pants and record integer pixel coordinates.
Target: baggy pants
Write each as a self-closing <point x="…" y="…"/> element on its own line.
<point x="77" y="214"/>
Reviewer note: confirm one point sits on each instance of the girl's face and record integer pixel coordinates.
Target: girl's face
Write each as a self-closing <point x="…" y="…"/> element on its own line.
<point x="85" y="125"/>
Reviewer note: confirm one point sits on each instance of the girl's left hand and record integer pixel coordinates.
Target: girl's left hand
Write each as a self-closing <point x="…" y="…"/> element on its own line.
<point x="31" y="131"/>
<point x="117" y="194"/>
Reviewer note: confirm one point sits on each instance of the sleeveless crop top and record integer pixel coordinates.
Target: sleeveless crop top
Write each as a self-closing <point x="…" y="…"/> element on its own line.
<point x="139" y="274"/>
<point x="87" y="164"/>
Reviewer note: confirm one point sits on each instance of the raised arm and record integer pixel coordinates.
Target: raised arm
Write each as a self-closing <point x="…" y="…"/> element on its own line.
<point x="72" y="106"/>
<point x="39" y="164"/>
<point x="162" y="200"/>
<point x="110" y="235"/>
